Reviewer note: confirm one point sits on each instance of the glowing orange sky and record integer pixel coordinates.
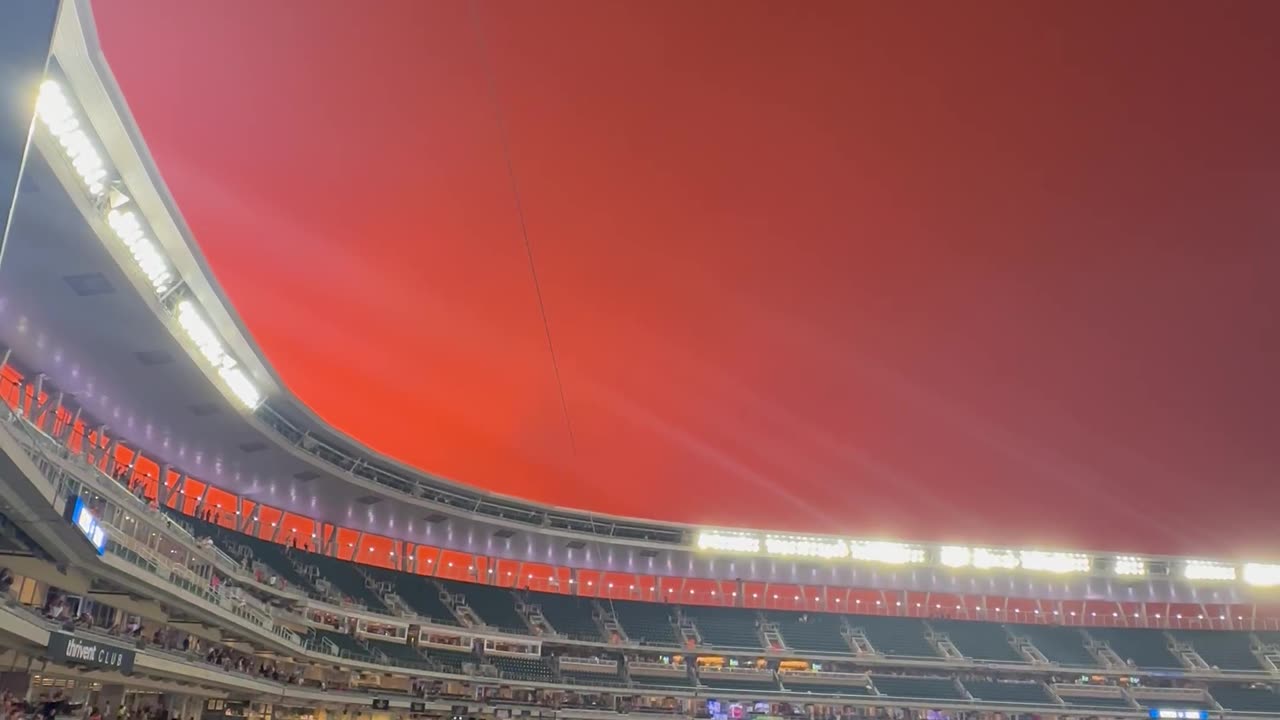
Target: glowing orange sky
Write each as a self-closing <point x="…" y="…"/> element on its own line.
<point x="987" y="271"/>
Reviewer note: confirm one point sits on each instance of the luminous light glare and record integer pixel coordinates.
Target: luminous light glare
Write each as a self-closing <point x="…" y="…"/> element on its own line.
<point x="728" y="542"/>
<point x="1129" y="565"/>
<point x="890" y="553"/>
<point x="211" y="348"/>
<point x="1204" y="570"/>
<point x="1054" y="562"/>
<point x="986" y="558"/>
<point x="794" y="546"/>
<point x="128" y="228"/>
<point x="955" y="556"/>
<point x="1262" y="574"/>
<point x="55" y="111"/>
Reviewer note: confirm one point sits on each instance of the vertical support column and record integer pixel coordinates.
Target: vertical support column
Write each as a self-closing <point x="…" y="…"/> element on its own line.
<point x="26" y="38"/>
<point x="317" y="537"/>
<point x="163" y="491"/>
<point x="69" y="432"/>
<point x="355" y="547"/>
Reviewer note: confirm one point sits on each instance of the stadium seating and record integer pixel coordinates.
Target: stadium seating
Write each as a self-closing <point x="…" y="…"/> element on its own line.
<point x="345" y="577"/>
<point x="527" y="668"/>
<point x="1076" y="701"/>
<point x="762" y="682"/>
<point x="496" y="606"/>
<point x="1024" y="693"/>
<point x="1144" y="648"/>
<point x="420" y="593"/>
<point x="727" y="628"/>
<point x="1061" y="645"/>
<point x="825" y="688"/>
<point x="1222" y="649"/>
<point x="398" y="653"/>
<point x="570" y="616"/>
<point x="1255" y="699"/>
<point x="347" y="646"/>
<point x="943" y="688"/>
<point x="895" y="636"/>
<point x="646" y="623"/>
<point x="979" y="640"/>
<point x="811" y="632"/>
<point x="449" y="660"/>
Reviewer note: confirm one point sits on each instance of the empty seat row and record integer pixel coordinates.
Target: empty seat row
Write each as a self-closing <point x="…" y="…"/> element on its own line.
<point x="646" y="623"/>
<point x="979" y="640"/>
<point x="811" y="632"/>
<point x="1025" y="693"/>
<point x="570" y="616"/>
<point x="727" y="628"/>
<point x="1062" y="645"/>
<point x="895" y="636"/>
<point x="528" y="669"/>
<point x="941" y="688"/>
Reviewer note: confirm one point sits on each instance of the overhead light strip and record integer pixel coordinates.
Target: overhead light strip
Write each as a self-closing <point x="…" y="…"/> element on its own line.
<point x="109" y="196"/>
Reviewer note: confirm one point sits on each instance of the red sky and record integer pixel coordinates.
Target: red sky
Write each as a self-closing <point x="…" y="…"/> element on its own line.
<point x="991" y="271"/>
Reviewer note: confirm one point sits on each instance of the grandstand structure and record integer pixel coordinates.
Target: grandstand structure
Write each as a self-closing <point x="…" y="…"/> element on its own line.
<point x="249" y="554"/>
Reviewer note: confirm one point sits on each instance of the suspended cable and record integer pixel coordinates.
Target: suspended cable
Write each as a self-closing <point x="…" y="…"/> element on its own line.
<point x="500" y="117"/>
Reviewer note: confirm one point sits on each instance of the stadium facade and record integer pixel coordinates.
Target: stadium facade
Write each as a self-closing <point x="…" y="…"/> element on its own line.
<point x="180" y="530"/>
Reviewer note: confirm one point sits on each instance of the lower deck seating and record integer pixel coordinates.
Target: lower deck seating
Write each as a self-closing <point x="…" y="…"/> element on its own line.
<point x="1025" y="693"/>
<point x="896" y="636"/>
<point x="646" y="623"/>
<point x="398" y="652"/>
<point x="764" y="683"/>
<point x="528" y="669"/>
<point x="449" y="660"/>
<point x="1061" y="645"/>
<point x="1224" y="649"/>
<point x="1243" y="698"/>
<point x="811" y="632"/>
<point x="570" y="616"/>
<point x="1143" y="647"/>
<point x="943" y="688"/>
<point x="979" y="640"/>
<point x="1096" y="702"/>
<point x="821" y="688"/>
<point x="347" y="645"/>
<point x="734" y="628"/>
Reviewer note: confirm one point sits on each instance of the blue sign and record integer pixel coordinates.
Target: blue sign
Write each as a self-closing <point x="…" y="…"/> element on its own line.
<point x="85" y="521"/>
<point x="1174" y="714"/>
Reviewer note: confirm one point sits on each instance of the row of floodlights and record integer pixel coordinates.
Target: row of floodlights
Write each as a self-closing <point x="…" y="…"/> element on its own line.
<point x="957" y="556"/>
<point x="60" y="117"/>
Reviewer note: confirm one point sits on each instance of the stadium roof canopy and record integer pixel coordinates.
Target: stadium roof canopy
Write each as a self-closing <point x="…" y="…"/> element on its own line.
<point x="996" y="279"/>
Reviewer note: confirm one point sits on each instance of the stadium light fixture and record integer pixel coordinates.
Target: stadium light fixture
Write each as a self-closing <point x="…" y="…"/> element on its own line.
<point x="56" y="112"/>
<point x="1261" y="574"/>
<point x="1129" y="566"/>
<point x="1054" y="562"/>
<point x="128" y="228"/>
<point x="889" y="553"/>
<point x="211" y="348"/>
<point x="987" y="558"/>
<point x="728" y="542"/>
<point x="1206" y="570"/>
<point x="955" y="556"/>
<point x="812" y="547"/>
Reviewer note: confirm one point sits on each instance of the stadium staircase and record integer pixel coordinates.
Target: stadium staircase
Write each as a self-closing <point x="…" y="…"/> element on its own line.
<point x="1053" y="644"/>
<point x="1224" y="650"/>
<point x="419" y="595"/>
<point x="894" y="636"/>
<point x="811" y="632"/>
<point x="985" y="641"/>
<point x="1135" y="647"/>
<point x="573" y="617"/>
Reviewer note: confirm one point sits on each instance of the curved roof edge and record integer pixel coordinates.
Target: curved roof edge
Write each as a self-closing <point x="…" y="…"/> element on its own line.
<point x="295" y="425"/>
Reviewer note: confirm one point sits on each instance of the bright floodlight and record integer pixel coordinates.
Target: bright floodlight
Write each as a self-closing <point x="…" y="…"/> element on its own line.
<point x="1054" y="562"/>
<point x="890" y="553"/>
<point x="728" y="542"/>
<point x="955" y="556"/>
<point x="211" y="348"/>
<point x="809" y="547"/>
<point x="986" y="558"/>
<point x="1262" y="574"/>
<point x="57" y="114"/>
<point x="1129" y="565"/>
<point x="1205" y="570"/>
